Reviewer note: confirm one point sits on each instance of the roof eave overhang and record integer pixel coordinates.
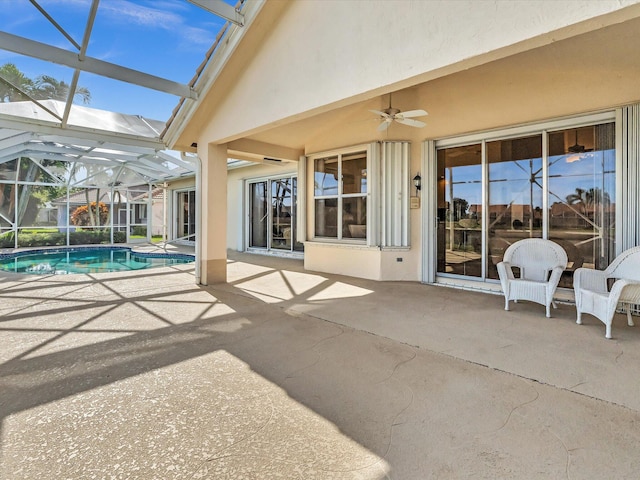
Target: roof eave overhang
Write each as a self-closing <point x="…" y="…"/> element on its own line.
<point x="210" y="75"/>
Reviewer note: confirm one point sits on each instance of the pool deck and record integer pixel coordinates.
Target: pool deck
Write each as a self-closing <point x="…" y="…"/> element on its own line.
<point x="286" y="373"/>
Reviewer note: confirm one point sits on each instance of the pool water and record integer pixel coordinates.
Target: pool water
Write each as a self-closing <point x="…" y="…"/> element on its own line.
<point x="86" y="260"/>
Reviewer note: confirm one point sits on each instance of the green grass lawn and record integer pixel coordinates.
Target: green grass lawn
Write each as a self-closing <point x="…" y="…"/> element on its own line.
<point x="154" y="239"/>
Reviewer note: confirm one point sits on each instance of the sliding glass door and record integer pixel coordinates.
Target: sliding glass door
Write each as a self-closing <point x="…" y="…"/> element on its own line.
<point x="556" y="184"/>
<point x="186" y="215"/>
<point x="272" y="214"/>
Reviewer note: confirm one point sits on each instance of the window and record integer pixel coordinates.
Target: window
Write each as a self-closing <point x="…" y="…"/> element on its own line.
<point x="340" y="196"/>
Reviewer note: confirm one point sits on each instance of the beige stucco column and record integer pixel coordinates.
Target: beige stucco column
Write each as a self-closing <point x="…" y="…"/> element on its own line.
<point x="213" y="208"/>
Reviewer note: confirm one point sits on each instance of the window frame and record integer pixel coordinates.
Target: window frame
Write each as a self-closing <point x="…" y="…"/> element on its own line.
<point x="340" y="196"/>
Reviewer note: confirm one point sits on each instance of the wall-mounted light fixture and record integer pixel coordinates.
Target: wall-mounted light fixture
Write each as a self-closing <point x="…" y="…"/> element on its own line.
<point x="417" y="182"/>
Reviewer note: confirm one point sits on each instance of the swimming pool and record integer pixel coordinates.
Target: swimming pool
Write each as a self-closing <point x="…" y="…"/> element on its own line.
<point x="62" y="261"/>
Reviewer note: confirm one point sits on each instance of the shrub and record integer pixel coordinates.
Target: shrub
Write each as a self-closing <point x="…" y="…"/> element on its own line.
<point x="80" y="216"/>
<point x="7" y="240"/>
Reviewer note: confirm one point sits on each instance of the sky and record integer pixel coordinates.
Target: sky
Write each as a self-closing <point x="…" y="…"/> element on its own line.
<point x="166" y="38"/>
<point x="510" y="183"/>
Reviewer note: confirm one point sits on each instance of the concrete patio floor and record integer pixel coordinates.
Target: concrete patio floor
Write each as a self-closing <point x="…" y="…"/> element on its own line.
<point x="283" y="373"/>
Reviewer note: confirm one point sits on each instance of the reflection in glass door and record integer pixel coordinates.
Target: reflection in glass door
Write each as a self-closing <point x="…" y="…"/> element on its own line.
<point x="186" y="215"/>
<point x="258" y="215"/>
<point x="515" y="195"/>
<point x="460" y="210"/>
<point x="494" y="193"/>
<point x="282" y="209"/>
<point x="582" y="196"/>
<point x="272" y="214"/>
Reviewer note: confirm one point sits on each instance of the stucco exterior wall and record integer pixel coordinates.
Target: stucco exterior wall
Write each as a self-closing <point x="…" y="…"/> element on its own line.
<point x="315" y="57"/>
<point x="183" y="183"/>
<point x="396" y="264"/>
<point x="353" y="260"/>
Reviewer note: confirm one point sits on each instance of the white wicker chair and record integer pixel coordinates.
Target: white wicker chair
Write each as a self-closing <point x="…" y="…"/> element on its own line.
<point x="541" y="263"/>
<point x="593" y="295"/>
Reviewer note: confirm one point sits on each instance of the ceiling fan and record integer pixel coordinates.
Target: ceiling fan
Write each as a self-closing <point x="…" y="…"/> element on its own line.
<point x="390" y="114"/>
<point x="577" y="148"/>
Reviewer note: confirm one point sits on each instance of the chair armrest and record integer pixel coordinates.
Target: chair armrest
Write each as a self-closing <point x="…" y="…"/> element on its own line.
<point x="506" y="275"/>
<point x="554" y="279"/>
<point x="590" y="279"/>
<point x="505" y="269"/>
<point x="627" y="291"/>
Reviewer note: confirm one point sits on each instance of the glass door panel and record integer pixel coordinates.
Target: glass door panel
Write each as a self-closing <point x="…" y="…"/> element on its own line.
<point x="582" y="196"/>
<point x="515" y="194"/>
<point x="460" y="210"/>
<point x="192" y="215"/>
<point x="297" y="246"/>
<point x="281" y="211"/>
<point x="186" y="215"/>
<point x="258" y="215"/>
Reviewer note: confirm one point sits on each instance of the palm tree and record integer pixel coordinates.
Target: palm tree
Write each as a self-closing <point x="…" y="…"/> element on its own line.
<point x="460" y="207"/>
<point x="588" y="198"/>
<point x="13" y="84"/>
<point x="48" y="87"/>
<point x="16" y="86"/>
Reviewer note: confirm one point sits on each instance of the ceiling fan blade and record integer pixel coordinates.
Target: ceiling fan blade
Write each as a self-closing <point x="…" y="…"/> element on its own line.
<point x="381" y="113"/>
<point x="410" y="122"/>
<point x="414" y="113"/>
<point x="384" y="125"/>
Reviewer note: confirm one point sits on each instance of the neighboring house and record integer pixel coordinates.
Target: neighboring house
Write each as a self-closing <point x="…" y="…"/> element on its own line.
<point x="532" y="130"/>
<point x="158" y="207"/>
<point x="79" y="199"/>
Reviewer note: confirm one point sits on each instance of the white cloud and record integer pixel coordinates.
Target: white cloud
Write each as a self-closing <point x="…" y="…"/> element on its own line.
<point x="163" y="15"/>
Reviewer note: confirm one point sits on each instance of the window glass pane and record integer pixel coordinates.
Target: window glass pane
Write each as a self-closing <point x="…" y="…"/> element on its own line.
<point x="354" y="173"/>
<point x="326" y="217"/>
<point x="515" y="194"/>
<point x="582" y="196"/>
<point x="354" y="217"/>
<point x="460" y="210"/>
<point x="325" y="176"/>
<point x="259" y="215"/>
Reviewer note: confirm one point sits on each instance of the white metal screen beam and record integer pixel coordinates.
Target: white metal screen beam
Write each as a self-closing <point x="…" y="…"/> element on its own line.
<point x="221" y="9"/>
<point x="42" y="51"/>
<point x="55" y="24"/>
<point x="19" y="139"/>
<point x="102" y="144"/>
<point x="76" y="132"/>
